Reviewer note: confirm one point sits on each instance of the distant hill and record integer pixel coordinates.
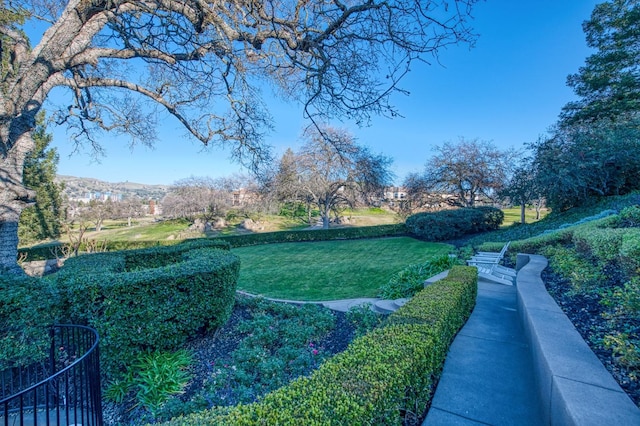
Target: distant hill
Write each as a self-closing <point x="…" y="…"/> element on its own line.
<point x="79" y="188"/>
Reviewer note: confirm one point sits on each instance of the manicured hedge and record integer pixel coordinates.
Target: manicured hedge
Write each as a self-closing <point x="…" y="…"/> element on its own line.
<point x="379" y="379"/>
<point x="27" y="309"/>
<point x="315" y="235"/>
<point x="148" y="299"/>
<point x="47" y="251"/>
<point x="449" y="224"/>
<point x="532" y="244"/>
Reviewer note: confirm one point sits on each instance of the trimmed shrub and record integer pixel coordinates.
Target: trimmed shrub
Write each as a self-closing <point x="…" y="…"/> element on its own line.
<point x="315" y="235"/>
<point x="138" y="306"/>
<point x="382" y="377"/>
<point x="531" y="245"/>
<point x="449" y="224"/>
<point x="47" y="251"/>
<point x="27" y="309"/>
<point x="492" y="218"/>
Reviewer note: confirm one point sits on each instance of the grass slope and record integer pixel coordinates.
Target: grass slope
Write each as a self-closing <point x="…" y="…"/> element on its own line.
<point x="329" y="270"/>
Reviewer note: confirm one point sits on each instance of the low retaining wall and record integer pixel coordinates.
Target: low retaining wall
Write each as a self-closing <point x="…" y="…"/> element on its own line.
<point x="573" y="385"/>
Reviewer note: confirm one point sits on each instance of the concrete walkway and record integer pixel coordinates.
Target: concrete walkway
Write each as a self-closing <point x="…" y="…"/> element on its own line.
<point x="488" y="375"/>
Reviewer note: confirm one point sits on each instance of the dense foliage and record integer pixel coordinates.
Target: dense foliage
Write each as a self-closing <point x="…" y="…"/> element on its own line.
<point x="382" y="377"/>
<point x="277" y="343"/>
<point x="151" y="299"/>
<point x="609" y="83"/>
<point x="42" y="220"/>
<point x="28" y="306"/>
<point x="450" y="224"/>
<point x="580" y="163"/>
<point x="593" y="151"/>
<point x="410" y="280"/>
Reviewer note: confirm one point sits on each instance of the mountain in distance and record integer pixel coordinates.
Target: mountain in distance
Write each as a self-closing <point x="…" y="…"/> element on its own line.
<point x="79" y="188"/>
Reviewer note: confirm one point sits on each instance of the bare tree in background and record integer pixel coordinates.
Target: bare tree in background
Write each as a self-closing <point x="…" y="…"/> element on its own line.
<point x="420" y="196"/>
<point x="464" y="171"/>
<point x="202" y="197"/>
<point x="126" y="64"/>
<point x="129" y="208"/>
<point x="332" y="172"/>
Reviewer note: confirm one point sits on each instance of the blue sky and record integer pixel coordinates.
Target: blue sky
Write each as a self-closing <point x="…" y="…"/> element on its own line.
<point x="508" y="89"/>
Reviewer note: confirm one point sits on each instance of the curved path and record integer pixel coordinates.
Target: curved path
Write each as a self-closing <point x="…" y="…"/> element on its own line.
<point x="378" y="305"/>
<point x="519" y="361"/>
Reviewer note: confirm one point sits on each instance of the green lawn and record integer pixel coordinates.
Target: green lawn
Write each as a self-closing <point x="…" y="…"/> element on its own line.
<point x="512" y="215"/>
<point x="328" y="270"/>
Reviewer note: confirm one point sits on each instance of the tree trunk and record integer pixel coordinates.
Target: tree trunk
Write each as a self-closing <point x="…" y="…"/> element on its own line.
<point x="538" y="205"/>
<point x="522" y="213"/>
<point x="325" y="221"/>
<point x="14" y="197"/>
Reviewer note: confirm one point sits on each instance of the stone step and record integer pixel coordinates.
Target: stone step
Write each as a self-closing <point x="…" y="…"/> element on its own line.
<point x="388" y="306"/>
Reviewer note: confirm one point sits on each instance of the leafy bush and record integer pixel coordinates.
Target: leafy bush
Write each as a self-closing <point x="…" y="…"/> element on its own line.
<point x="450" y="224"/>
<point x="157" y="257"/>
<point x="630" y="251"/>
<point x="381" y="377"/>
<point x="625" y="348"/>
<point x="585" y="276"/>
<point x="530" y="245"/>
<point x="492" y="218"/>
<point x="411" y="279"/>
<point x="629" y="217"/>
<point x="363" y="319"/>
<point x="152" y="379"/>
<point x="27" y="310"/>
<point x="602" y="245"/>
<point x="148" y="309"/>
<point x="279" y="342"/>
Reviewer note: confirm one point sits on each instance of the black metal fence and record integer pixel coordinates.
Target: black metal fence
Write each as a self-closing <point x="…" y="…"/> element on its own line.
<point x="63" y="390"/>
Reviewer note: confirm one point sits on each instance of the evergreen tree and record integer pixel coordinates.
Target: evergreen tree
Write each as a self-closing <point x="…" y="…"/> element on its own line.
<point x="42" y="220"/>
<point x="609" y="83"/>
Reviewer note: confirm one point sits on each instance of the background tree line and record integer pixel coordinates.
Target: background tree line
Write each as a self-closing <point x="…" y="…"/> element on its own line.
<point x="592" y="151"/>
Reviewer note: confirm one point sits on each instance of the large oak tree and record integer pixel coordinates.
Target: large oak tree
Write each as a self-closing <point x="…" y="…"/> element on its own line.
<point x="202" y="62"/>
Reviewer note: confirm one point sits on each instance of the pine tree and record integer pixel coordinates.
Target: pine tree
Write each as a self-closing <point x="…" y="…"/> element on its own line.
<point x="609" y="83"/>
<point x="42" y="220"/>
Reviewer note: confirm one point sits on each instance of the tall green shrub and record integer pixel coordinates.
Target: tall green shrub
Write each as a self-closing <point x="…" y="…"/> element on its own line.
<point x="135" y="308"/>
<point x="28" y="306"/>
